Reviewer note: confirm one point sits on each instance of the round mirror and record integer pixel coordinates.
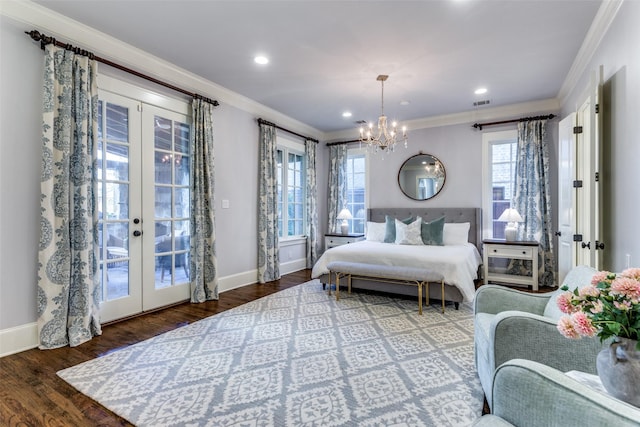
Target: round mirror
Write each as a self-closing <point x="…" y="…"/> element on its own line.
<point x="421" y="177"/>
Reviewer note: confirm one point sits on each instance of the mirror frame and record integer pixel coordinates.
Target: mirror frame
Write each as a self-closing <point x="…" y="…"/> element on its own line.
<point x="433" y="159"/>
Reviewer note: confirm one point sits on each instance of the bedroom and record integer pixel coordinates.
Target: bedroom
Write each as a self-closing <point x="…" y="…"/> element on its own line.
<point x="457" y="145"/>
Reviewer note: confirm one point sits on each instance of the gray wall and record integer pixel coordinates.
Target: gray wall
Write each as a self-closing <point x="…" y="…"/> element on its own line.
<point x="458" y="147"/>
<point x="619" y="55"/>
<point x="20" y="152"/>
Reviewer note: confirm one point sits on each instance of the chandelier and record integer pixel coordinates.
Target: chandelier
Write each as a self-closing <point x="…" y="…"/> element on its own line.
<point x="384" y="139"/>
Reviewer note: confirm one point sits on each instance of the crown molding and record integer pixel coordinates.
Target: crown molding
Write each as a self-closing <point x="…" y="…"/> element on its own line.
<point x="67" y="30"/>
<point x="599" y="27"/>
<point x="545" y="106"/>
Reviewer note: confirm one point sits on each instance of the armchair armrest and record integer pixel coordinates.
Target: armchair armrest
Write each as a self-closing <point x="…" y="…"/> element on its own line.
<point x="494" y="299"/>
<point x="520" y="335"/>
<point x="529" y="394"/>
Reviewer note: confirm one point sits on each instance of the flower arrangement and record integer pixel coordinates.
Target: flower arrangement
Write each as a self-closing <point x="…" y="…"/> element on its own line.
<point x="608" y="307"/>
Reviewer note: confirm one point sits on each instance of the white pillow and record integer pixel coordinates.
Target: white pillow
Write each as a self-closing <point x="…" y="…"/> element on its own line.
<point x="409" y="234"/>
<point x="375" y="231"/>
<point x="456" y="233"/>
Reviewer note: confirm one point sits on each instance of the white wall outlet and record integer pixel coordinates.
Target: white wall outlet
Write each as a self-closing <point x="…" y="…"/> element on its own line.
<point x="225" y="204"/>
<point x="628" y="260"/>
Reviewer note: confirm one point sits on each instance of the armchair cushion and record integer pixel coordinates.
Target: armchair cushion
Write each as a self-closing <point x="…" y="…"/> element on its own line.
<point x="579" y="277"/>
<point x="511" y="324"/>
<point x="529" y="394"/>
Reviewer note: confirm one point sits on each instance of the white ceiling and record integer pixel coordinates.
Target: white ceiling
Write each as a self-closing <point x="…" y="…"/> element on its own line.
<point x="325" y="55"/>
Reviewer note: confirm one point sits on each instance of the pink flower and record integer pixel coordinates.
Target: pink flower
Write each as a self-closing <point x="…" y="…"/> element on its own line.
<point x="627" y="287"/>
<point x="633" y="273"/>
<point x="589" y="291"/>
<point x="582" y="324"/>
<point x="624" y="305"/>
<point x="567" y="328"/>
<point x="564" y="302"/>
<point x="598" y="306"/>
<point x="600" y="276"/>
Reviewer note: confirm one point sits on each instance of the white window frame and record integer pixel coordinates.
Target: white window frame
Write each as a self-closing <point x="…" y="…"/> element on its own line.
<point x="488" y="140"/>
<point x="289" y="146"/>
<point x="358" y="152"/>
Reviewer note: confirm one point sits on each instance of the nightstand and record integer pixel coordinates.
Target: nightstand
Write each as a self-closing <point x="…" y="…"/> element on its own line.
<point x="525" y="250"/>
<point x="331" y="240"/>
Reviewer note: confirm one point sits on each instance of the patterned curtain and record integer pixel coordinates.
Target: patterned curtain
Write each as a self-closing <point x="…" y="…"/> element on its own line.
<point x="337" y="184"/>
<point x="68" y="275"/>
<point x="532" y="198"/>
<point x="268" y="250"/>
<point x="202" y="255"/>
<point x="310" y="148"/>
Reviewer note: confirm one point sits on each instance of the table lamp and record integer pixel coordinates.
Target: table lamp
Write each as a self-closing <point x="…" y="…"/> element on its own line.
<point x="512" y="217"/>
<point x="345" y="215"/>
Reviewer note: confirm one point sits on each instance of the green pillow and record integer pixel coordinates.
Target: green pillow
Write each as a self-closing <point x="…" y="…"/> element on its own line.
<point x="390" y="228"/>
<point x="432" y="232"/>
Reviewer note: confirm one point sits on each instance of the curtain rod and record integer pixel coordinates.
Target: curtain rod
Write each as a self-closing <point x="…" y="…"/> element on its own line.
<point x="265" y="122"/>
<point x="329" y="144"/>
<point x="45" y="40"/>
<point x="522" y="119"/>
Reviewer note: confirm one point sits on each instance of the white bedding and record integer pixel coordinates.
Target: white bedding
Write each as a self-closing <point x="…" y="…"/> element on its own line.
<point x="457" y="263"/>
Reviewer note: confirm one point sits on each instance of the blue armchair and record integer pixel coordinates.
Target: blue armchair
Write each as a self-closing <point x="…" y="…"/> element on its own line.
<point x="512" y="324"/>
<point x="530" y="394"/>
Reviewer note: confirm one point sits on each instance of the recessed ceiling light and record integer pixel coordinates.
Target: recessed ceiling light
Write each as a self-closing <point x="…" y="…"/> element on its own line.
<point x="481" y="91"/>
<point x="346" y="114"/>
<point x="262" y="60"/>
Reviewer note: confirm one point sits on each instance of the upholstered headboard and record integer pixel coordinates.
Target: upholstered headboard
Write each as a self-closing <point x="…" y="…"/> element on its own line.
<point x="470" y="215"/>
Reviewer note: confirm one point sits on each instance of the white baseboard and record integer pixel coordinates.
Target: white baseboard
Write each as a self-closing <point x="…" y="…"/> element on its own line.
<point x="19" y="338"/>
<point x="25" y="337"/>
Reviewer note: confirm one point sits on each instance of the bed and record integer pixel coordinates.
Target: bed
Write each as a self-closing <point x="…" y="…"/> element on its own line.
<point x="458" y="263"/>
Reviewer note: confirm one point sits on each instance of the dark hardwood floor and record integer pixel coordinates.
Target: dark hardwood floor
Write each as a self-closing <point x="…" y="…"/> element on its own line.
<point x="31" y="394"/>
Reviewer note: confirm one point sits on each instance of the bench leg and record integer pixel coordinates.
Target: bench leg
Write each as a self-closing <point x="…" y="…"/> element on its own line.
<point x="420" y="298"/>
<point x="442" y="284"/>
<point x="337" y="286"/>
<point x="329" y="291"/>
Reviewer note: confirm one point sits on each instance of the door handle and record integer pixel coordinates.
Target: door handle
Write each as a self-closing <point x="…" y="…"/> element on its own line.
<point x="137" y="233"/>
<point x="599" y="245"/>
<point x="586" y="245"/>
<point x="558" y="233"/>
<point x="136" y="220"/>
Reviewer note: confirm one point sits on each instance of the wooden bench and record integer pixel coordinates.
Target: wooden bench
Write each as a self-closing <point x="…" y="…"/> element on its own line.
<point x="385" y="273"/>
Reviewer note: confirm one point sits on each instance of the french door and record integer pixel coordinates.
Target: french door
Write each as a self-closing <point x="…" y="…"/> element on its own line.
<point x="143" y="206"/>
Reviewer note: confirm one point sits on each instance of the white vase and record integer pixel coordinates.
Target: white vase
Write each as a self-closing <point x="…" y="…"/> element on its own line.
<point x="619" y="370"/>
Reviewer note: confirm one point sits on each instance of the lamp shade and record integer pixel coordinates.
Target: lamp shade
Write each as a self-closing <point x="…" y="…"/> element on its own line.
<point x="510" y="215"/>
<point x="345" y="214"/>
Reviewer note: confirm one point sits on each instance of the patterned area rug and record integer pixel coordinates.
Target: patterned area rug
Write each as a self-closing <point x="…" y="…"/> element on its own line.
<point x="297" y="358"/>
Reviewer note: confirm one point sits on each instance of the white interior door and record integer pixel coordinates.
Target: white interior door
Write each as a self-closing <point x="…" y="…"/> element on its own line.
<point x="566" y="196"/>
<point x="580" y="210"/>
<point x="143" y="204"/>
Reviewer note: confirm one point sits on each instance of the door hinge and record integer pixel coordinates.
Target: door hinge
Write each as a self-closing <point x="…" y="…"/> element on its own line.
<point x="597" y="108"/>
<point x="597" y="177"/>
<point x="577" y="184"/>
<point x="140" y="108"/>
<point x="577" y="237"/>
<point x="577" y="129"/>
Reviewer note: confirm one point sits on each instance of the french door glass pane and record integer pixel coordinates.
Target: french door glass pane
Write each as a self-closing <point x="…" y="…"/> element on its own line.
<point x="172" y="210"/>
<point x="112" y="174"/>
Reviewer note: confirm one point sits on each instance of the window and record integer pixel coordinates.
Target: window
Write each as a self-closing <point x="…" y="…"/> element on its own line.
<point x="356" y="189"/>
<point x="291" y="189"/>
<point x="499" y="153"/>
